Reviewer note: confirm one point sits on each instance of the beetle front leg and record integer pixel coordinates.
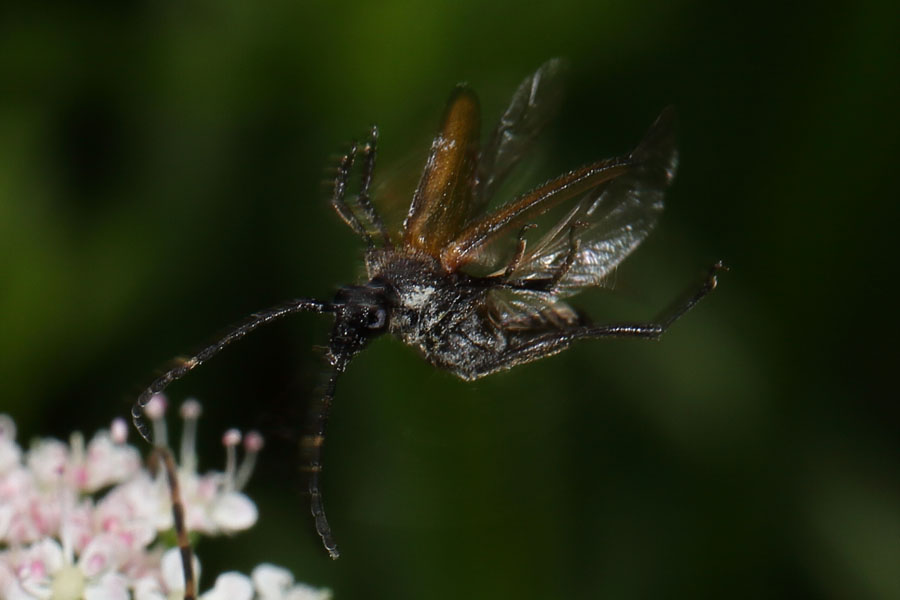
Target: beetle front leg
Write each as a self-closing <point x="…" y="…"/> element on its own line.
<point x="369" y="152"/>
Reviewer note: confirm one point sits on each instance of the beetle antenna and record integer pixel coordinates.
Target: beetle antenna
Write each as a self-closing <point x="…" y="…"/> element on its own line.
<point x="311" y="449"/>
<point x="186" y="365"/>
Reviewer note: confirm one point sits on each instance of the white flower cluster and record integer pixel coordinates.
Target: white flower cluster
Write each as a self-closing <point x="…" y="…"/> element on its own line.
<point x="83" y="521"/>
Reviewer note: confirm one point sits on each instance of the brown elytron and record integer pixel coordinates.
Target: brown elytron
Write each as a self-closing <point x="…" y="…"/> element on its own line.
<point x="470" y="288"/>
<point x="444" y="200"/>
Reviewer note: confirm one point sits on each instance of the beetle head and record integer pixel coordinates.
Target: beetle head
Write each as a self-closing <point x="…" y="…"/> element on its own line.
<point x="361" y="313"/>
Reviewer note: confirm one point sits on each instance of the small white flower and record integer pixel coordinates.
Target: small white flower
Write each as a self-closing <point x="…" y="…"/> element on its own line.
<point x="35" y="565"/>
<point x="108" y="462"/>
<point x="103" y="463"/>
<point x="28" y="514"/>
<point x="135" y="511"/>
<point x="43" y="571"/>
<point x="47" y="461"/>
<point x="213" y="502"/>
<point x="102" y="554"/>
<point x="62" y="540"/>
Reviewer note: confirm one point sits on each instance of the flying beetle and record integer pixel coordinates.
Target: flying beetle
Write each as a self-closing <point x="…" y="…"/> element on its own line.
<point x="460" y="282"/>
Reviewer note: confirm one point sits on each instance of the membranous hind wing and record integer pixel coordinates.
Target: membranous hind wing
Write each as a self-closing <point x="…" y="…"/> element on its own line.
<point x="610" y="221"/>
<point x="529" y="311"/>
<point x="615" y="205"/>
<point x="533" y="104"/>
<point x="444" y="199"/>
<point x="474" y="240"/>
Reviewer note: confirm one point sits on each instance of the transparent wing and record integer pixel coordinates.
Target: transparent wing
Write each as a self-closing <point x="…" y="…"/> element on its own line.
<point x="609" y="222"/>
<point x="533" y="104"/>
<point x="473" y="244"/>
<point x="517" y="310"/>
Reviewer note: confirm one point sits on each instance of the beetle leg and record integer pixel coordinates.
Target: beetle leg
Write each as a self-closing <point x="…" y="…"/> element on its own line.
<point x="162" y="454"/>
<point x="519" y="253"/>
<point x="339" y="195"/>
<point x="574" y="244"/>
<point x="364" y="199"/>
<point x="545" y="343"/>
<point x="550" y="283"/>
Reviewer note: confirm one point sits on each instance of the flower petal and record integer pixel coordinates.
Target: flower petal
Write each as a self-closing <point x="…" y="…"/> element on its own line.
<point x="301" y="591"/>
<point x="101" y="555"/>
<point x="271" y="582"/>
<point x="148" y="588"/>
<point x="230" y="586"/>
<point x="173" y="570"/>
<point x="234" y="512"/>
<point x="112" y="586"/>
<point x="109" y="463"/>
<point x="48" y="460"/>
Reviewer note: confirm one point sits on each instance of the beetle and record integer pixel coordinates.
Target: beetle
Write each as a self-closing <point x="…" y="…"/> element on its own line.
<point x="461" y="283"/>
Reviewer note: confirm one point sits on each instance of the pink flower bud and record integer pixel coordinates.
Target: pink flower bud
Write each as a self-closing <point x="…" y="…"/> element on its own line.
<point x="232" y="437"/>
<point x="191" y="409"/>
<point x="253" y="441"/>
<point x="156" y="406"/>
<point x="118" y="431"/>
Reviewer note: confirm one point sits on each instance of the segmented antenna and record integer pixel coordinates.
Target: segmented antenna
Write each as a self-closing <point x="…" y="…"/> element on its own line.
<point x="311" y="450"/>
<point x="238" y="331"/>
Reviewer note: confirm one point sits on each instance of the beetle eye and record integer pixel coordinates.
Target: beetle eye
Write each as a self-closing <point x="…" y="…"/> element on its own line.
<point x="377" y="319"/>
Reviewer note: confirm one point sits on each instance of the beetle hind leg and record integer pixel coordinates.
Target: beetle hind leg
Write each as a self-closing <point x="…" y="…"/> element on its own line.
<point x="546" y="284"/>
<point x="530" y="347"/>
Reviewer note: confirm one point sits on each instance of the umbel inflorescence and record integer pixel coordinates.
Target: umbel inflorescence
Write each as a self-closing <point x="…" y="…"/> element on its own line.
<point x="89" y="520"/>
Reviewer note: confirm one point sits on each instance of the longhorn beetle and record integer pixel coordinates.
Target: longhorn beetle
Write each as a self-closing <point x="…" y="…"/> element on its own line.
<point x="458" y="281"/>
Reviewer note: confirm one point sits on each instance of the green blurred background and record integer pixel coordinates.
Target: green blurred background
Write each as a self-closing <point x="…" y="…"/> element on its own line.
<point x="161" y="176"/>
